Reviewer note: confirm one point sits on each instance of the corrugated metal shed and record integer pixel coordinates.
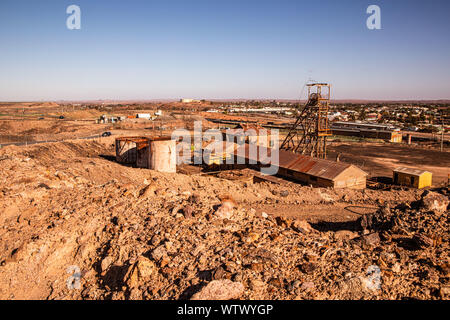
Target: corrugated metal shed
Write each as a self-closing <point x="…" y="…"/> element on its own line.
<point x="320" y="168"/>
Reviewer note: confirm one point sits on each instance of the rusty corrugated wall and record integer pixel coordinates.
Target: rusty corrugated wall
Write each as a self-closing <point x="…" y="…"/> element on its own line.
<point x="315" y="167"/>
<point x="132" y="150"/>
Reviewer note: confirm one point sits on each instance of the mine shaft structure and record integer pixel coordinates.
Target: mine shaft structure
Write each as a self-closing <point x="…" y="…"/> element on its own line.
<point x="309" y="133"/>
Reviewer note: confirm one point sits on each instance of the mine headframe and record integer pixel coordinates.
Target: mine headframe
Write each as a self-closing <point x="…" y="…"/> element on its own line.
<point x="309" y="133"/>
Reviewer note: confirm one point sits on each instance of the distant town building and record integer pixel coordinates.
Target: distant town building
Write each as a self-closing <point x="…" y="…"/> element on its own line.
<point x="186" y="100"/>
<point x="144" y="116"/>
<point x="334" y="115"/>
<point x="105" y="118"/>
<point x="372" y="117"/>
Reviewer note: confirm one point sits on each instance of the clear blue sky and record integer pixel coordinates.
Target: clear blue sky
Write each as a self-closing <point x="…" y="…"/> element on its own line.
<point x="223" y="49"/>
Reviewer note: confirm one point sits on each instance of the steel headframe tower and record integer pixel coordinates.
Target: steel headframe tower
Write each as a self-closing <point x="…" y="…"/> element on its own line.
<point x="309" y="133"/>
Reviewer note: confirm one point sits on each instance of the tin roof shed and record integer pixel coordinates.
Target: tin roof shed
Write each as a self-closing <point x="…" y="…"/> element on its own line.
<point x="307" y="169"/>
<point x="411" y="171"/>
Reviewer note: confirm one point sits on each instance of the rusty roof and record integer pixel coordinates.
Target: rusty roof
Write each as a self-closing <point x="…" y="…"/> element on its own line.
<point x="162" y="138"/>
<point x="321" y="168"/>
<point x="411" y="171"/>
<point x="141" y="142"/>
<point x="132" y="139"/>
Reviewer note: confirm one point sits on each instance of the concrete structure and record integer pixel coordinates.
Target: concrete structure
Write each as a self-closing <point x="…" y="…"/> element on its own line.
<point x="162" y="154"/>
<point x="132" y="151"/>
<point x="414" y="178"/>
<point x="312" y="171"/>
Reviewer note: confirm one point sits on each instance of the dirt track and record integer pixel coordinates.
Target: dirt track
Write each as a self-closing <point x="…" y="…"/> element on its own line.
<point x="379" y="159"/>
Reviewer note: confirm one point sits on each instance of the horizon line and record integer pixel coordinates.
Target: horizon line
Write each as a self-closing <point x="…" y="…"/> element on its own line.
<point x="445" y="100"/>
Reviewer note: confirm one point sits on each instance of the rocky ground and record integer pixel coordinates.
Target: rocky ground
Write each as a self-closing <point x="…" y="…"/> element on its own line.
<point x="66" y="208"/>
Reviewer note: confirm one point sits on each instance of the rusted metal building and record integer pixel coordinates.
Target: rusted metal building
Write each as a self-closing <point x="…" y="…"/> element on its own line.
<point x="133" y="151"/>
<point x="312" y="171"/>
<point x="156" y="153"/>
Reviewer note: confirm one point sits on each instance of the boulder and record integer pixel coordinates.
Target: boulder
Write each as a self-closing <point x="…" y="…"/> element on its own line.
<point x="140" y="272"/>
<point x="433" y="201"/>
<point x="225" y="210"/>
<point x="345" y="235"/>
<point x="220" y="290"/>
<point x="188" y="211"/>
<point x="370" y="239"/>
<point x="284" y="193"/>
<point x="308" y="267"/>
<point x="257" y="286"/>
<point x="106" y="263"/>
<point x="422" y="241"/>
<point x="147" y="191"/>
<point x="302" y="226"/>
<point x="159" y="253"/>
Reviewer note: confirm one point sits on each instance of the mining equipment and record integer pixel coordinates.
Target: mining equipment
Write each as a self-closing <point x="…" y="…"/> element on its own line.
<point x="309" y="133"/>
